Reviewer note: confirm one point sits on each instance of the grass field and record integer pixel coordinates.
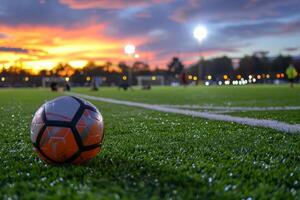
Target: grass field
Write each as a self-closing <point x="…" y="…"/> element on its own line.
<point x="153" y="155"/>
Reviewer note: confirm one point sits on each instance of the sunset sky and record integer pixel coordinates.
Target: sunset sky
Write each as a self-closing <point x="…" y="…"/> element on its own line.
<point x="38" y="34"/>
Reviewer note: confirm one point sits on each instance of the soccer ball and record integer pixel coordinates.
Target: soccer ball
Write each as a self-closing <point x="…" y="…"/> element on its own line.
<point x="67" y="130"/>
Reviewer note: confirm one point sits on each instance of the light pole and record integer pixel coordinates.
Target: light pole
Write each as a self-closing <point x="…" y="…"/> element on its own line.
<point x="129" y="50"/>
<point x="200" y="33"/>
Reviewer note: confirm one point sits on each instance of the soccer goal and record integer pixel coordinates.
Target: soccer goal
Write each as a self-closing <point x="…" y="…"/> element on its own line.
<point x="47" y="81"/>
<point x="150" y="80"/>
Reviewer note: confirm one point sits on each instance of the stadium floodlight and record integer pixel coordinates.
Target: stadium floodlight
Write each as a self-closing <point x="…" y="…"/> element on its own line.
<point x="200" y="33"/>
<point x="129" y="49"/>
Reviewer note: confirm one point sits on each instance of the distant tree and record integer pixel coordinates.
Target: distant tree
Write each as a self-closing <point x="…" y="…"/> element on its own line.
<point x="265" y="62"/>
<point x="123" y="67"/>
<point x="79" y="77"/>
<point x="199" y="68"/>
<point x="175" y="66"/>
<point x="140" y="66"/>
<point x="280" y="63"/>
<point x="107" y="66"/>
<point x="296" y="63"/>
<point x="63" y="70"/>
<point x="216" y="67"/>
<point x="91" y="69"/>
<point x="220" y="66"/>
<point x="246" y="66"/>
<point x="43" y="73"/>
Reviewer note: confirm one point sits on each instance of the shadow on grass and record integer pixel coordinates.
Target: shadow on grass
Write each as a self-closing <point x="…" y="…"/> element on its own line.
<point x="137" y="178"/>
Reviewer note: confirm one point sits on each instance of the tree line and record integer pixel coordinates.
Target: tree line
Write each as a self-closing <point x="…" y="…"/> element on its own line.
<point x="112" y="74"/>
<point x="248" y="65"/>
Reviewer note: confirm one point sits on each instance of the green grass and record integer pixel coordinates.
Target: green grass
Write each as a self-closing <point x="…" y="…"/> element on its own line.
<point x="289" y="116"/>
<point x="255" y="95"/>
<point x="153" y="155"/>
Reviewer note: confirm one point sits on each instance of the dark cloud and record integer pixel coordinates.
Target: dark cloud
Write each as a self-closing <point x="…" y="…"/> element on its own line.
<point x="219" y="11"/>
<point x="14" y="50"/>
<point x="39" y="13"/>
<point x="262" y="29"/>
<point x="21" y="50"/>
<point x="291" y="49"/>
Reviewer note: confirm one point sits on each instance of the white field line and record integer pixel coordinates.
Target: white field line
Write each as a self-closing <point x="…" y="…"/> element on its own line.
<point x="218" y="111"/>
<point x="280" y="126"/>
<point x="226" y="108"/>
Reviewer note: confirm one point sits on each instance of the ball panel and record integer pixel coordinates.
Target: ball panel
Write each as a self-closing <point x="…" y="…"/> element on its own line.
<point x="87" y="103"/>
<point x="90" y="128"/>
<point x="61" y="109"/>
<point x="36" y="124"/>
<point x="58" y="143"/>
<point x="35" y="130"/>
<point x="38" y="116"/>
<point x="86" y="156"/>
<point x="43" y="157"/>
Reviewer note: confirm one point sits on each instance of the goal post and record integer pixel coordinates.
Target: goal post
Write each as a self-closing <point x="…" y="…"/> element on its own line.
<point x="150" y="80"/>
<point x="46" y="81"/>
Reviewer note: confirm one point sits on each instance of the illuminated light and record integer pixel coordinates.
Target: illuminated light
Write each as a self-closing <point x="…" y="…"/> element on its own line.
<point x="238" y="77"/>
<point x="250" y="76"/>
<point x="235" y="82"/>
<point x="3" y="79"/>
<point x="268" y="76"/>
<point x="124" y="78"/>
<point x="220" y="83"/>
<point x="227" y="82"/>
<point x="26" y="79"/>
<point x="190" y="77"/>
<point x="129" y="49"/>
<point x="277" y="75"/>
<point x="243" y="82"/>
<point x="209" y="77"/>
<point x="195" y="78"/>
<point x="253" y="80"/>
<point x="88" y="78"/>
<point x="200" y="33"/>
<point x="153" y="78"/>
<point x="207" y="83"/>
<point x="282" y="75"/>
<point x="136" y="55"/>
<point x="225" y="77"/>
<point x="67" y="79"/>
<point x="258" y="77"/>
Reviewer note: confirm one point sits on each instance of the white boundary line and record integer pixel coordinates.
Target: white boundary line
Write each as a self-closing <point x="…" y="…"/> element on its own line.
<point x="280" y="126"/>
<point x="226" y="108"/>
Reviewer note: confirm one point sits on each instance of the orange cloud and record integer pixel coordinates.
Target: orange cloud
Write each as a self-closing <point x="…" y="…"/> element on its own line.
<point x="43" y="47"/>
<point x="115" y="4"/>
